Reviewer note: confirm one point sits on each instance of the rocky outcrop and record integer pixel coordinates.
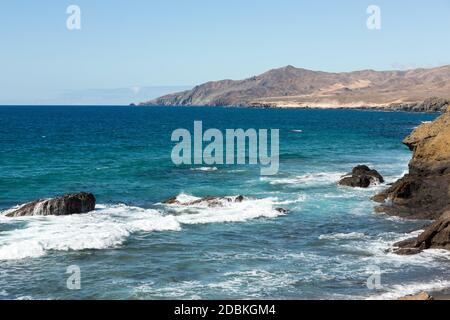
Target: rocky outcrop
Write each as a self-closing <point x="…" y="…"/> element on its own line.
<point x="424" y="193"/>
<point x="436" y="236"/>
<point x="430" y="105"/>
<point x="65" y="205"/>
<point x="207" y="201"/>
<point x="212" y="202"/>
<point x="361" y="177"/>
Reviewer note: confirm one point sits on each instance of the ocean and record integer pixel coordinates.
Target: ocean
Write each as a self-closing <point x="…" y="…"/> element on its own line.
<point x="326" y="246"/>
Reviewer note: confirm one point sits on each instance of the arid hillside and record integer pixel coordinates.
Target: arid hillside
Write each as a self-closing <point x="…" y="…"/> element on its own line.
<point x="418" y="89"/>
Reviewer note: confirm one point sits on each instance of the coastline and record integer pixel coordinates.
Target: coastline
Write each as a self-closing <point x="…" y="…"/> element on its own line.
<point x="331" y="237"/>
<point x="401" y="108"/>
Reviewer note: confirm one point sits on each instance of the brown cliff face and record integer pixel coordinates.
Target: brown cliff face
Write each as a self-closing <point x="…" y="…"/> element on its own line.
<point x="425" y="191"/>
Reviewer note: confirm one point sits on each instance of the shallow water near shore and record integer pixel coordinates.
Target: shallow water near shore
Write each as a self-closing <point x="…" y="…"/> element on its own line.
<point x="134" y="247"/>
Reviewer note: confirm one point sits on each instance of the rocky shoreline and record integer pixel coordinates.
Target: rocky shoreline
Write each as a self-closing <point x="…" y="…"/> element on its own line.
<point x="424" y="193"/>
<point x="430" y="105"/>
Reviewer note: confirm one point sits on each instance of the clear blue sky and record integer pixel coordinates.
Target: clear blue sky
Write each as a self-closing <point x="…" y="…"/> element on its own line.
<point x="136" y="43"/>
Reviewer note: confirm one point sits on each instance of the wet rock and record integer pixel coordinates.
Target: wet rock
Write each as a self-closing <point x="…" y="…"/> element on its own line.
<point x="435" y="236"/>
<point x="208" y="201"/>
<point x="361" y="177"/>
<point x="66" y="205"/>
<point x="282" y="210"/>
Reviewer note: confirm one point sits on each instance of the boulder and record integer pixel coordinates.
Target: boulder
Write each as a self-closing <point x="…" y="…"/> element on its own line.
<point x="361" y="177"/>
<point x="65" y="205"/>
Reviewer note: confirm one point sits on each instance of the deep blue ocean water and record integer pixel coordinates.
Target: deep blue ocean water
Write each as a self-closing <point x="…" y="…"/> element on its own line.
<point x="132" y="247"/>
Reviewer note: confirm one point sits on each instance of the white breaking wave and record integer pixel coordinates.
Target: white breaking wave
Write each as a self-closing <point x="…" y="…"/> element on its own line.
<point x="226" y="211"/>
<point x="342" y="236"/>
<point x="399" y="291"/>
<point x="110" y="226"/>
<point x="300" y="198"/>
<point x="322" y="178"/>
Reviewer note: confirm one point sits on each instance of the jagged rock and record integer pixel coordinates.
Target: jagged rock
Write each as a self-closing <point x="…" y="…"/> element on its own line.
<point x="424" y="193"/>
<point x="362" y="177"/>
<point x="65" y="205"/>
<point x="436" y="236"/>
<point x="417" y="297"/>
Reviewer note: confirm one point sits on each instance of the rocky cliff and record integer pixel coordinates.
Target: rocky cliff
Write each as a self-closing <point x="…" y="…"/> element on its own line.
<point x="424" y="193"/>
<point x="412" y="90"/>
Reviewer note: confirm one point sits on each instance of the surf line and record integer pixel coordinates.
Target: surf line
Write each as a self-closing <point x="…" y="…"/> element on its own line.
<point x="233" y="149"/>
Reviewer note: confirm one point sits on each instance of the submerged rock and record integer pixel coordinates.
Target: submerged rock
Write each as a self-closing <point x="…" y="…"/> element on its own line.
<point x="282" y="210"/>
<point x="212" y="202"/>
<point x="66" y="205"/>
<point x="361" y="177"/>
<point x="208" y="201"/>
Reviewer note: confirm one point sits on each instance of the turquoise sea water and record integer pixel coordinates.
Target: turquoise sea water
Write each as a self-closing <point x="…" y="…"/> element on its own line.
<point x="132" y="247"/>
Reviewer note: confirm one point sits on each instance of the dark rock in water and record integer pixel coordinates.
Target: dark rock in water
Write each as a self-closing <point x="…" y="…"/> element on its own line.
<point x="65" y="205"/>
<point x="407" y="251"/>
<point x="172" y="200"/>
<point x="282" y="210"/>
<point x="208" y="201"/>
<point x="407" y="247"/>
<point x="436" y="236"/>
<point x="212" y="202"/>
<point x="362" y="177"/>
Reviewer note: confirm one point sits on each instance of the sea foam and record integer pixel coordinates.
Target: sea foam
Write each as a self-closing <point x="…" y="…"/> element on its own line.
<point x="110" y="225"/>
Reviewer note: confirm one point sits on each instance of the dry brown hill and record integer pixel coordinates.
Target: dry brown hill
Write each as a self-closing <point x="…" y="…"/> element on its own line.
<point x="418" y="89"/>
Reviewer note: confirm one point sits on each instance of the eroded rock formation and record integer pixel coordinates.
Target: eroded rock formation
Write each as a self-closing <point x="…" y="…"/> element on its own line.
<point x="424" y="193"/>
<point x="66" y="205"/>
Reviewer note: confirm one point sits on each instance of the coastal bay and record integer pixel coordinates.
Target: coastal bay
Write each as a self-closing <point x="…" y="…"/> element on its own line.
<point x="135" y="246"/>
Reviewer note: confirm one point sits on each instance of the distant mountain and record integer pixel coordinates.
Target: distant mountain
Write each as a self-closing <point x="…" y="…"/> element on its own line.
<point x="418" y="89"/>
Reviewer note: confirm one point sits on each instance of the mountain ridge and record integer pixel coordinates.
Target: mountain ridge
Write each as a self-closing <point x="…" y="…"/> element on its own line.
<point x="416" y="89"/>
